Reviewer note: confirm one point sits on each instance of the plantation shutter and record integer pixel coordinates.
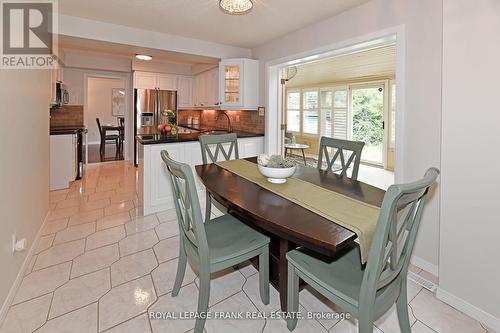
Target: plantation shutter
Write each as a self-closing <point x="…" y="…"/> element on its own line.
<point x="340" y="114"/>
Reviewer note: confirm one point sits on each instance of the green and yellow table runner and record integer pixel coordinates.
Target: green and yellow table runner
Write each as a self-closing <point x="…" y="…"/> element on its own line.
<point x="355" y="215"/>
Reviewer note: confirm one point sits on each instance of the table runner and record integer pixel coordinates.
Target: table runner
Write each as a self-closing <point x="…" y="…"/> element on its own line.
<point x="355" y="215"/>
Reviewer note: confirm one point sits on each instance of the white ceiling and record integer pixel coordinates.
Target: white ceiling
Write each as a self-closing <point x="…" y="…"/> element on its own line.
<point x="202" y="19"/>
<point x="360" y="66"/>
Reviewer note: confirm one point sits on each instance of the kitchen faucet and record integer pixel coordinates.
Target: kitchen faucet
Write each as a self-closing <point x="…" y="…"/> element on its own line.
<point x="229" y="128"/>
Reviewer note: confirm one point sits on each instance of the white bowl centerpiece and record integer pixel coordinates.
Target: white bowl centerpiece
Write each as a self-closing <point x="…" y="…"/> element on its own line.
<point x="276" y="168"/>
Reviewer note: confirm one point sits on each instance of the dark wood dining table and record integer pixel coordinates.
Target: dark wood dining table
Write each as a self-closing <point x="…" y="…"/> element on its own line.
<point x="287" y="224"/>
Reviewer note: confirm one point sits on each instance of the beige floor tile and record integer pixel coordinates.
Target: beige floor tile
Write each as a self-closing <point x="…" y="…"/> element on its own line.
<point x="313" y="301"/>
<point x="79" y="292"/>
<point x="167" y="249"/>
<point x="59" y="254"/>
<point x="53" y="226"/>
<point x="136" y="325"/>
<point x="58" y="214"/>
<point x="164" y="276"/>
<point x="95" y="260"/>
<point x="31" y="264"/>
<point x="412" y="290"/>
<point x="120" y="207"/>
<point x="71" y="202"/>
<point x="112" y="221"/>
<point x="83" y="320"/>
<point x="57" y="196"/>
<point x="168" y="215"/>
<point x="247" y="269"/>
<point x="252" y="290"/>
<point x="138" y="242"/>
<point x="442" y="317"/>
<point x="105" y="237"/>
<point x="96" y="204"/>
<point x="44" y="242"/>
<point x="27" y="316"/>
<point x="349" y="326"/>
<point x="42" y="282"/>
<point x="224" y="284"/>
<point x="236" y="303"/>
<point x="303" y="325"/>
<point x="125" y="302"/>
<point x="418" y="327"/>
<point x="101" y="195"/>
<point x="133" y="266"/>
<point x="167" y="229"/>
<point x="141" y="224"/>
<point x="389" y="323"/>
<point x="86" y="217"/>
<point x="74" y="232"/>
<point x="187" y="300"/>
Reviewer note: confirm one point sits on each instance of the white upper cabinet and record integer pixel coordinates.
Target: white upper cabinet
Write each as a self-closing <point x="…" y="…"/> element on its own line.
<point x="145" y="80"/>
<point x="239" y="84"/>
<point x="206" y="89"/>
<point x="167" y="82"/>
<point x="185" y="91"/>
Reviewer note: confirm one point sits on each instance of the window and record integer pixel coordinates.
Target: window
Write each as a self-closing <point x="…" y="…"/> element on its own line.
<point x="393" y="115"/>
<point x="293" y="111"/>
<point x="340" y="114"/>
<point x="310" y="112"/>
<point x="326" y="106"/>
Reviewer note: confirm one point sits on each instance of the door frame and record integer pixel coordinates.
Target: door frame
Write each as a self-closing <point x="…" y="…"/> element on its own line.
<point x="273" y="68"/>
<point x="128" y="150"/>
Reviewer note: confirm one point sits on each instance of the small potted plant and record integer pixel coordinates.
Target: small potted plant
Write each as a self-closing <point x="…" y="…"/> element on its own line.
<point x="276" y="168"/>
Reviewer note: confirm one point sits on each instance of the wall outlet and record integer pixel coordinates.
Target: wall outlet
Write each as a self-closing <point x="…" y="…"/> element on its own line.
<point x="18" y="245"/>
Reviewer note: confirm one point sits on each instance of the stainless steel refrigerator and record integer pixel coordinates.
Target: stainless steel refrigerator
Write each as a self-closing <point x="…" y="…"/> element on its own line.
<point x="149" y="105"/>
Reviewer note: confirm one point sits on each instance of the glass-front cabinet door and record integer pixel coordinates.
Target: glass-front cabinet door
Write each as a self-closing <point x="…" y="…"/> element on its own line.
<point x="231" y="79"/>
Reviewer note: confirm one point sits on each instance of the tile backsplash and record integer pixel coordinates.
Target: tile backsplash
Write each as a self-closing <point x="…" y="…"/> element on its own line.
<point x="245" y="121"/>
<point x="66" y="115"/>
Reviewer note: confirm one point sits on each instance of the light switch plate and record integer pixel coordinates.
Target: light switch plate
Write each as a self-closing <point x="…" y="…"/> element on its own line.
<point x="261" y="110"/>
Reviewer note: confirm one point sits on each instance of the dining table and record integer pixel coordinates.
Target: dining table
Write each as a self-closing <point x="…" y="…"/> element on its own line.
<point x="287" y="224"/>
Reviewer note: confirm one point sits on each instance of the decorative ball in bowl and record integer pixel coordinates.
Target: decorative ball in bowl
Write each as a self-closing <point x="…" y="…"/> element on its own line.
<point x="276" y="168"/>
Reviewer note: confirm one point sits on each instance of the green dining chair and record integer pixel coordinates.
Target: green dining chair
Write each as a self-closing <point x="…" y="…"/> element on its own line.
<point x="368" y="291"/>
<point x="342" y="147"/>
<point x="207" y="143"/>
<point x="213" y="246"/>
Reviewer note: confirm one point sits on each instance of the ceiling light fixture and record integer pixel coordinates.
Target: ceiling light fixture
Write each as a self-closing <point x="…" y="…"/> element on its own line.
<point x="236" y="7"/>
<point x="143" y="57"/>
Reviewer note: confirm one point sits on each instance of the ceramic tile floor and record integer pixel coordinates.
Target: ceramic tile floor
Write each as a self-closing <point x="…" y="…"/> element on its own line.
<point x="100" y="266"/>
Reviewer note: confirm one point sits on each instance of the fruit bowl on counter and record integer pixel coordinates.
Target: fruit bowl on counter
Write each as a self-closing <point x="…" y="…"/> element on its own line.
<point x="276" y="168"/>
<point x="166" y="129"/>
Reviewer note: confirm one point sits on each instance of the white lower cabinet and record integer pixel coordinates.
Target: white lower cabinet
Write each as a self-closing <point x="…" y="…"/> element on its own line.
<point x="63" y="161"/>
<point x="155" y="193"/>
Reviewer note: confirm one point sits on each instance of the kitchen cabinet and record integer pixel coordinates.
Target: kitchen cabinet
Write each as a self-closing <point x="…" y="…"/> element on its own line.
<point x="56" y="75"/>
<point x="149" y="80"/>
<point x="239" y="84"/>
<point x="185" y="91"/>
<point x="154" y="191"/>
<point x="63" y="160"/>
<point x="167" y="82"/>
<point x="206" y="89"/>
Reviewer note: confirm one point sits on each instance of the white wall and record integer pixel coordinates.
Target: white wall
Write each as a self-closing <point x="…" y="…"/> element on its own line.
<point x="470" y="223"/>
<point x="97" y="61"/>
<point x="99" y="102"/>
<point x="24" y="164"/>
<point x="90" y="29"/>
<point x="423" y="25"/>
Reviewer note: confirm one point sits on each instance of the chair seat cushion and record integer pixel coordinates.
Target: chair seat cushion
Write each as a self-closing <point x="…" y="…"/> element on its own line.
<point x="228" y="238"/>
<point x="342" y="277"/>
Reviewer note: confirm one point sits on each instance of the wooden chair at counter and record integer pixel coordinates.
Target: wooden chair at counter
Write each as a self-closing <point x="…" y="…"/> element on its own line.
<point x="121" y="132"/>
<point x="221" y="143"/>
<point x="105" y="138"/>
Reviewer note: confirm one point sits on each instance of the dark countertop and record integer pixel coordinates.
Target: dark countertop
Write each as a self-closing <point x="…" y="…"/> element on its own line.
<point x="149" y="139"/>
<point x="62" y="130"/>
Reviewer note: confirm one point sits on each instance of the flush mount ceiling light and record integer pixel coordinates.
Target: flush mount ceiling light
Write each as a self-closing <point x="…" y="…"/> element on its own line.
<point x="143" y="57"/>
<point x="236" y="7"/>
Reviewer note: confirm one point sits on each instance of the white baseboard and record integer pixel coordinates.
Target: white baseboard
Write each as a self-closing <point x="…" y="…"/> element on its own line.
<point x="487" y="319"/>
<point x="20" y="275"/>
<point x="425" y="265"/>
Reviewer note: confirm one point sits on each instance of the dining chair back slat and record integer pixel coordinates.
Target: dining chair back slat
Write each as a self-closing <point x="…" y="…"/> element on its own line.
<point x="208" y="142"/>
<point x="342" y="148"/>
